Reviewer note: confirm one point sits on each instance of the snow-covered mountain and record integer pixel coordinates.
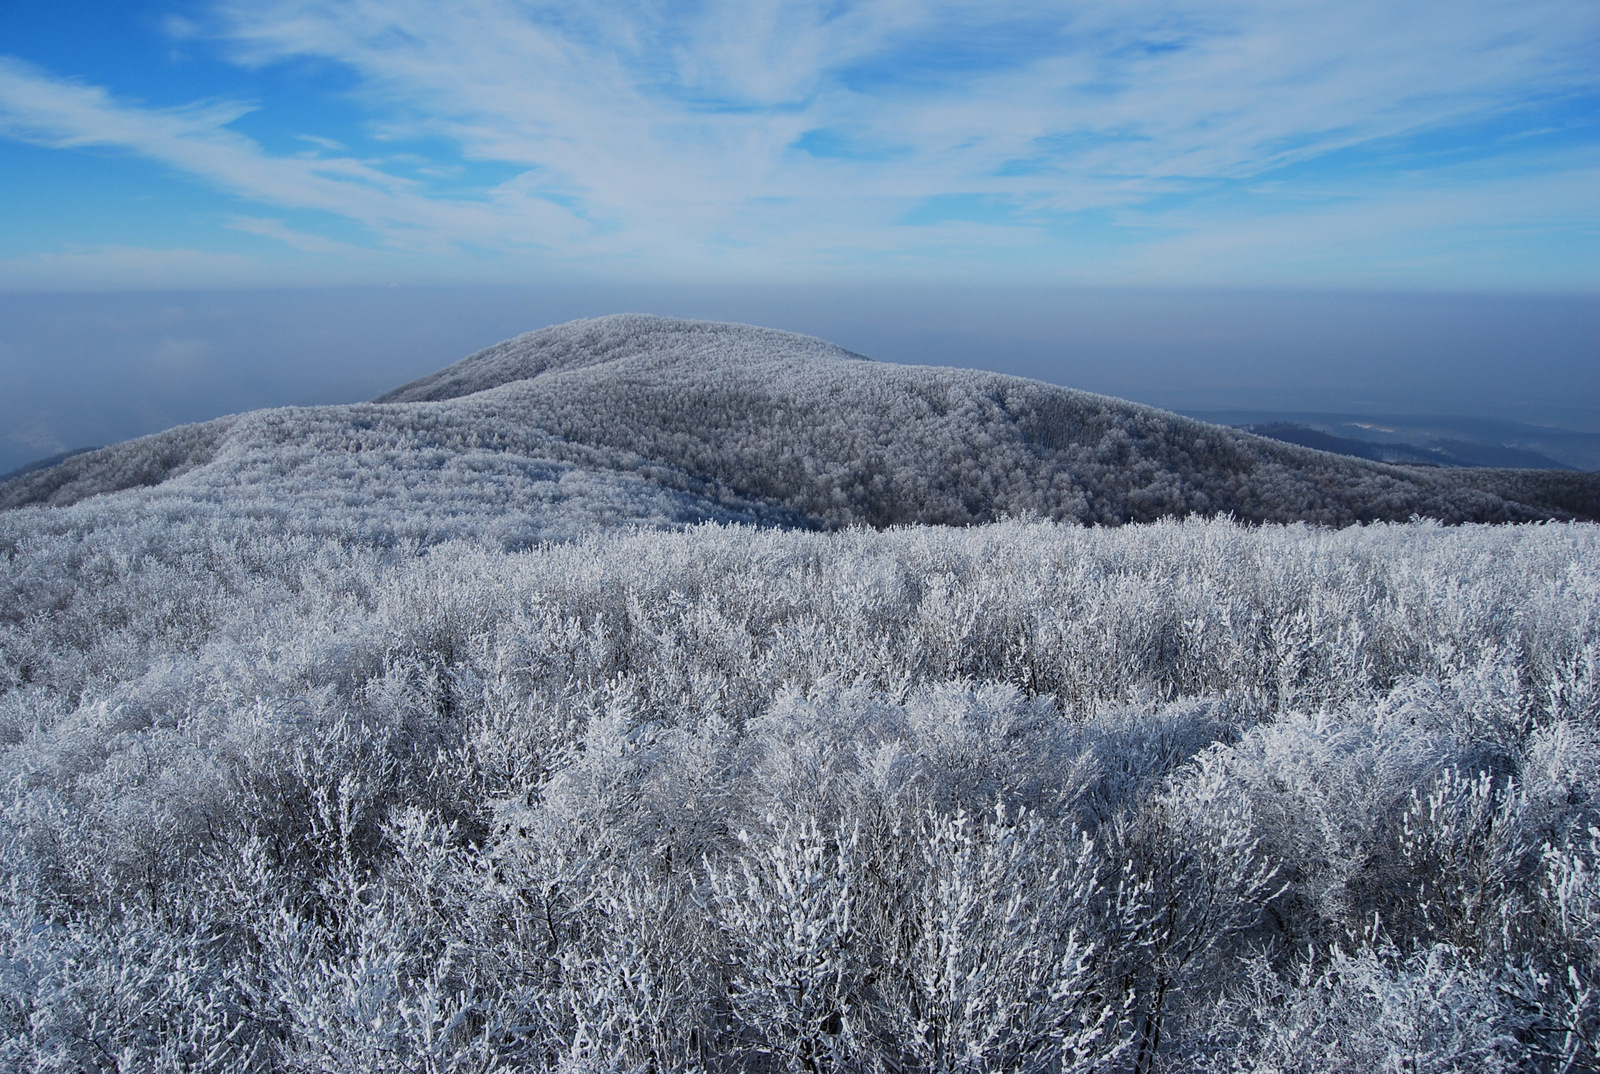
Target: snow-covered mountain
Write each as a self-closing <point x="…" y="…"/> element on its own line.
<point x="632" y="418"/>
<point x="291" y="779"/>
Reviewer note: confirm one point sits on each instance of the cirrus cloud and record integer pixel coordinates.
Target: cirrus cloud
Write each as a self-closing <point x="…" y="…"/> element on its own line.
<point x="791" y="137"/>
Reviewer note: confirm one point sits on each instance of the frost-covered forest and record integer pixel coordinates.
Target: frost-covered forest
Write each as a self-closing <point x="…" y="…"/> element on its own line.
<point x="1028" y="796"/>
<point x="561" y="711"/>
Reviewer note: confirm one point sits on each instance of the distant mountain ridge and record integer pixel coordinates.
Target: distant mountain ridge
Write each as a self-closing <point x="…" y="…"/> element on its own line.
<point x="1400" y="453"/>
<point x="1445" y="440"/>
<point x="652" y="420"/>
<point x="42" y="464"/>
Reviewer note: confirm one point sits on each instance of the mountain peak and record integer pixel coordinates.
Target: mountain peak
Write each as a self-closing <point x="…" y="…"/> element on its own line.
<point x="616" y="338"/>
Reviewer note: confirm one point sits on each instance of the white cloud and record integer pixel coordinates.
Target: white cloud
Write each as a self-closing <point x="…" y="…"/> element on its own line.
<point x="305" y="242"/>
<point x="325" y="143"/>
<point x="662" y="119"/>
<point x="55" y="112"/>
<point x="1444" y="231"/>
<point x="663" y="136"/>
<point x="1159" y="88"/>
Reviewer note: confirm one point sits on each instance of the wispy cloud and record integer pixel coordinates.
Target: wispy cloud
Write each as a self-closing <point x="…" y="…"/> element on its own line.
<point x="1449" y="230"/>
<point x="766" y="131"/>
<point x="45" y="110"/>
<point x="278" y="231"/>
<point x="1154" y="89"/>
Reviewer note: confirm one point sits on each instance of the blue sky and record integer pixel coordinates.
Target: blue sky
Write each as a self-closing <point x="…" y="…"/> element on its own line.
<point x="1350" y="144"/>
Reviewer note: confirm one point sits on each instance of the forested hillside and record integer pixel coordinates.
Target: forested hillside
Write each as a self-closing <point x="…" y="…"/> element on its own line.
<point x="652" y="420"/>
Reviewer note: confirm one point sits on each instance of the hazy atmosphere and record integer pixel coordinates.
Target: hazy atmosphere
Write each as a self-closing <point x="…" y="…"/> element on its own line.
<point x="1329" y="207"/>
<point x="85" y="369"/>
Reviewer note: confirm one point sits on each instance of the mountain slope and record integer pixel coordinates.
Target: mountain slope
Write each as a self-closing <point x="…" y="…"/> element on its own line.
<point x="645" y="419"/>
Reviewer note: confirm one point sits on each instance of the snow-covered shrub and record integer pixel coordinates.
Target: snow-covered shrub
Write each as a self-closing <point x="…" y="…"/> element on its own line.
<point x="279" y="792"/>
<point x="992" y="963"/>
<point x="1433" y="1012"/>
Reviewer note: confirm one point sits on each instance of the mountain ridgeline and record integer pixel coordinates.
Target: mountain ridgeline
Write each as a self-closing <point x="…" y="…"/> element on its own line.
<point x="639" y="419"/>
